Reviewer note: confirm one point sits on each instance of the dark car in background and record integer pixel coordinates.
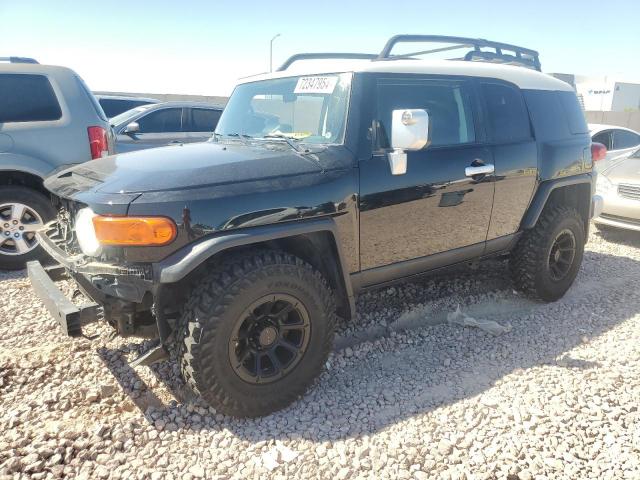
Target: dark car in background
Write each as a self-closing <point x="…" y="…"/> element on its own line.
<point x="116" y="104"/>
<point x="166" y="123"/>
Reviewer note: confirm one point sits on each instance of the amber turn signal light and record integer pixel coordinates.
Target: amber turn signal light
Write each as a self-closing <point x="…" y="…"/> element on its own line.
<point x="134" y="231"/>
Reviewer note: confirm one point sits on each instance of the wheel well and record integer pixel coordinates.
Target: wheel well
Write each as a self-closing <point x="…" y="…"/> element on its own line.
<point x="577" y="196"/>
<point x="318" y="249"/>
<point x="15" y="177"/>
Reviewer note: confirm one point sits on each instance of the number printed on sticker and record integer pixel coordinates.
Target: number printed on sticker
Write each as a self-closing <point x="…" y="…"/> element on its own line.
<point x="316" y="85"/>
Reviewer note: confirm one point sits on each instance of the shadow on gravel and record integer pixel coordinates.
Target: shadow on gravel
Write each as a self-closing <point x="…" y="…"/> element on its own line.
<point x="629" y="238"/>
<point x="384" y="382"/>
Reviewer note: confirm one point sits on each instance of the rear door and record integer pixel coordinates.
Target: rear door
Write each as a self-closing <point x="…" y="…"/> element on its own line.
<point x="437" y="205"/>
<point x="157" y="128"/>
<point x="201" y="123"/>
<point x="515" y="155"/>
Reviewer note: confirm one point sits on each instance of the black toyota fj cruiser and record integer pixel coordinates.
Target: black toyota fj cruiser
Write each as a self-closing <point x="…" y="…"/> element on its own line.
<point x="240" y="253"/>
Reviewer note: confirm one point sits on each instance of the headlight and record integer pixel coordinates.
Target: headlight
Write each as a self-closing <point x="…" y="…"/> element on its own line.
<point x="604" y="186"/>
<point x="86" y="234"/>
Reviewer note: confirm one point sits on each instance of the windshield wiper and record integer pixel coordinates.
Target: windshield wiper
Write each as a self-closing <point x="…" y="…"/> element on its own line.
<point x="241" y="136"/>
<point x="289" y="140"/>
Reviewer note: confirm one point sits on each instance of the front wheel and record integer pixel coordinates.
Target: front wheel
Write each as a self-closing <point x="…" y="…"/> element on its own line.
<point x="255" y="332"/>
<point x="547" y="258"/>
<point x="23" y="211"/>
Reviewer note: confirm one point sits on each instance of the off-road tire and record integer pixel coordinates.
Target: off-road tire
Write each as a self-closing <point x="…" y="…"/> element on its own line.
<point x="215" y="305"/>
<point x="529" y="262"/>
<point x="38" y="202"/>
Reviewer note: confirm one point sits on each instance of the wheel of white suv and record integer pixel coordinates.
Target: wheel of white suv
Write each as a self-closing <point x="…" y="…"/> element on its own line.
<point x="256" y="331"/>
<point x="22" y="212"/>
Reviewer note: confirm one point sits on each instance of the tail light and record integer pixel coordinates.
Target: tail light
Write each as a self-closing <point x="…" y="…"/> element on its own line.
<point x="98" y="142"/>
<point x="598" y="151"/>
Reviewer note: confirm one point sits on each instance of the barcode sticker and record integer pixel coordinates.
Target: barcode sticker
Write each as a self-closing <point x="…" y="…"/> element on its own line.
<point x="316" y="85"/>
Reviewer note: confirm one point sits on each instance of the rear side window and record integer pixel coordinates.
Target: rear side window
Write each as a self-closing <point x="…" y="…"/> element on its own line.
<point x="573" y="112"/>
<point x="160" y="121"/>
<point x="605" y="138"/>
<point x="623" y="139"/>
<point x="204" y="120"/>
<point x="113" y="106"/>
<point x="508" y="118"/>
<point x="27" y="98"/>
<point x="448" y="105"/>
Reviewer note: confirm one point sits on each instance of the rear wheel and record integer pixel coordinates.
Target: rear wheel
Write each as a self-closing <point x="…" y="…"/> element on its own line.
<point x="255" y="332"/>
<point x="547" y="258"/>
<point x="23" y="211"/>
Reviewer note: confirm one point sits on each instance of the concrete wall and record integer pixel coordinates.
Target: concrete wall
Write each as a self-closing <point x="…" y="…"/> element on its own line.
<point x="171" y="97"/>
<point x="621" y="119"/>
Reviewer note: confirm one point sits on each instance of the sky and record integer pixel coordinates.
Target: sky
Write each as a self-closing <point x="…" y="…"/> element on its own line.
<point x="201" y="47"/>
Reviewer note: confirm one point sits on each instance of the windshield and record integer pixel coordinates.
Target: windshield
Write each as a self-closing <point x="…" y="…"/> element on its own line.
<point x="118" y="119"/>
<point x="309" y="109"/>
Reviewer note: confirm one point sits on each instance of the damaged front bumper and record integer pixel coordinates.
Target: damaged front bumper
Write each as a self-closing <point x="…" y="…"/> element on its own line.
<point x="123" y="295"/>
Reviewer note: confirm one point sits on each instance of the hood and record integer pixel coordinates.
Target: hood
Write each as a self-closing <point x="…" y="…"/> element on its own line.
<point x="183" y="167"/>
<point x="626" y="171"/>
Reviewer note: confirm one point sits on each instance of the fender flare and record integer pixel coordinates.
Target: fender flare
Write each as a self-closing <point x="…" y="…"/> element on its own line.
<point x="179" y="264"/>
<point x="544" y="192"/>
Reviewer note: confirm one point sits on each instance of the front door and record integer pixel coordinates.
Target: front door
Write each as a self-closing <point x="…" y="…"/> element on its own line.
<point x="157" y="129"/>
<point x="438" y="205"/>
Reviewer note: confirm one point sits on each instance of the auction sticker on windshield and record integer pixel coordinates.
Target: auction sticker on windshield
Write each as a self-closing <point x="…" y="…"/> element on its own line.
<point x="316" y="85"/>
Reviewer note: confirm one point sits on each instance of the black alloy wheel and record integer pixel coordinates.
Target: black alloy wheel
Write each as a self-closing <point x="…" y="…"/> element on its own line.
<point x="269" y="339"/>
<point x="561" y="255"/>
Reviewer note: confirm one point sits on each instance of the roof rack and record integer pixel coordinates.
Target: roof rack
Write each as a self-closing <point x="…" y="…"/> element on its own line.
<point x="518" y="56"/>
<point x="501" y="52"/>
<point x="18" y="60"/>
<point x="324" y="56"/>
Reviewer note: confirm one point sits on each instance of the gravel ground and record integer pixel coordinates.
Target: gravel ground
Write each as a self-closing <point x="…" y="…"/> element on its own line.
<point x="403" y="396"/>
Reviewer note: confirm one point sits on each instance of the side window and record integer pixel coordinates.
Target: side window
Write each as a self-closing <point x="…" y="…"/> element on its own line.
<point x="204" y="120"/>
<point x="160" y="121"/>
<point x="27" y="98"/>
<point x="507" y="114"/>
<point x="604" y="138"/>
<point x="574" y="112"/>
<point x="448" y="105"/>
<point x="623" y="139"/>
<point x="111" y="107"/>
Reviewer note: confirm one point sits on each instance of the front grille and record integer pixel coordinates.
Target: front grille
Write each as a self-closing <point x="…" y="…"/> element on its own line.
<point x="64" y="235"/>
<point x="629" y="191"/>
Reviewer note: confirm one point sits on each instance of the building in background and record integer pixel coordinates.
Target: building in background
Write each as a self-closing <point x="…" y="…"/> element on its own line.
<point x="604" y="93"/>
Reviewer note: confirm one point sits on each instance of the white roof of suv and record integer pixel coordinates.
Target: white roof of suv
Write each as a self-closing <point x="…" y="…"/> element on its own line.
<point x="470" y="57"/>
<point x="522" y="77"/>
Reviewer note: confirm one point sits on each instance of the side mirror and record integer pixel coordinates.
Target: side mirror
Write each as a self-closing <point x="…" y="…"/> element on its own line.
<point x="133" y="127"/>
<point x="409" y="132"/>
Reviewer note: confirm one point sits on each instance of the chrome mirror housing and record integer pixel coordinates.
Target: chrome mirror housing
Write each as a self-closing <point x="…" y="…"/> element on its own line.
<point x="409" y="132"/>
<point x="133" y="127"/>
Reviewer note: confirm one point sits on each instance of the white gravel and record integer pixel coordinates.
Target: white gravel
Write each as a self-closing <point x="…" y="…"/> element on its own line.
<point x="403" y="396"/>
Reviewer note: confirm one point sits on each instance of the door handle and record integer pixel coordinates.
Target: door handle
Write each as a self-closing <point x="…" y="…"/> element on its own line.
<point x="479" y="170"/>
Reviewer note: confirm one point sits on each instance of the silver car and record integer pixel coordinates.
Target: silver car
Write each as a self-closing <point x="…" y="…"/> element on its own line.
<point x="166" y="123"/>
<point x="619" y="186"/>
<point x="49" y="121"/>
<point x="619" y="142"/>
